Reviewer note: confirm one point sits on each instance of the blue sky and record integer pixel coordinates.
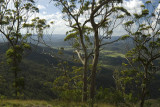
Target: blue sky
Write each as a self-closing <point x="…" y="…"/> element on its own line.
<point x="51" y="13"/>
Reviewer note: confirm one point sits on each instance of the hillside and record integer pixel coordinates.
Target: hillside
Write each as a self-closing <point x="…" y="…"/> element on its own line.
<point x="39" y="69"/>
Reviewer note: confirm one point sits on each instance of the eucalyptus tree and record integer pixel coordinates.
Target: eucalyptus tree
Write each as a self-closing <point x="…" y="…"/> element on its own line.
<point x="104" y="19"/>
<point x="17" y="26"/>
<point x="144" y="29"/>
<point x="83" y="52"/>
<point x="68" y="82"/>
<point x="97" y="15"/>
<point x="73" y="11"/>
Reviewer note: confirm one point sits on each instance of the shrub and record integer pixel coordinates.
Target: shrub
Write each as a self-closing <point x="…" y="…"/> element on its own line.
<point x="109" y="95"/>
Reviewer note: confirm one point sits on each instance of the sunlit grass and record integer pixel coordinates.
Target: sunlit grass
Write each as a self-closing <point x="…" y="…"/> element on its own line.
<point x="41" y="103"/>
<point x="108" y="66"/>
<point x="24" y="103"/>
<point x="57" y="103"/>
<point x="103" y="105"/>
<point x="112" y="53"/>
<point x="76" y="104"/>
<point x="116" y="55"/>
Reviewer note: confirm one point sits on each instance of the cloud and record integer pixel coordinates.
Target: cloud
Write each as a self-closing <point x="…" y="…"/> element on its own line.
<point x="133" y="6"/>
<point x="44" y="12"/>
<point x="59" y="26"/>
<point x="41" y="7"/>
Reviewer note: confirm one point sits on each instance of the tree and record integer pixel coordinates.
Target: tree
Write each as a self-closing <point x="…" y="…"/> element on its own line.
<point x="103" y="9"/>
<point x="73" y="16"/>
<point x="15" y="27"/>
<point x="83" y="53"/>
<point x="90" y="12"/>
<point x="143" y="28"/>
<point x="68" y="83"/>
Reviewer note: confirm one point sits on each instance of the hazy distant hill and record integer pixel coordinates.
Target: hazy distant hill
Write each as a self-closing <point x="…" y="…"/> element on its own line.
<point x="57" y="40"/>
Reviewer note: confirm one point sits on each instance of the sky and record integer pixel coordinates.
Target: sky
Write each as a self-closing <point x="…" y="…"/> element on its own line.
<point x="48" y="11"/>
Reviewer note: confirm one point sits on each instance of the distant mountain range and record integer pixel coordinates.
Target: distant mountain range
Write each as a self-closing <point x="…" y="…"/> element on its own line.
<point x="57" y="40"/>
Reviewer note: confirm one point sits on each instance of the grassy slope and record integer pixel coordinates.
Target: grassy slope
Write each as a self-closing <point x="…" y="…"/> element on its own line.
<point x="112" y="53"/>
<point x="56" y="103"/>
<point x="41" y="103"/>
<point x="111" y="59"/>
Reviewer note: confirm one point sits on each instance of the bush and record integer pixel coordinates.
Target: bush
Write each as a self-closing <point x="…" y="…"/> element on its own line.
<point x="109" y="95"/>
<point x="71" y="95"/>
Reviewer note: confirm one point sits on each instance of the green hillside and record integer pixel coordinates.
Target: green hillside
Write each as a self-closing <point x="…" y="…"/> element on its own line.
<point x="39" y="69"/>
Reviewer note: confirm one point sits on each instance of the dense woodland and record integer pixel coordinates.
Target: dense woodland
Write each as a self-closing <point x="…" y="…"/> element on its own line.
<point x="88" y="64"/>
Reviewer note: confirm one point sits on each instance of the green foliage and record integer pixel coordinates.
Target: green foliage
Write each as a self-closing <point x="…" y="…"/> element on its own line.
<point x="120" y="16"/>
<point x="143" y="6"/>
<point x="12" y="23"/>
<point x="137" y="16"/>
<point x="70" y="36"/>
<point x="68" y="83"/>
<point x="110" y="96"/>
<point x="129" y="23"/>
<point x="124" y="37"/>
<point x="123" y="10"/>
<point x="147" y="2"/>
<point x="26" y="46"/>
<point x="38" y="24"/>
<point x="80" y="34"/>
<point x="145" y="12"/>
<point x="141" y="58"/>
<point x="14" y="55"/>
<point x="74" y="37"/>
<point x="71" y="95"/>
<point x="123" y="80"/>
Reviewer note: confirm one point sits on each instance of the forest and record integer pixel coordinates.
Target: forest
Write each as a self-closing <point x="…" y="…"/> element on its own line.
<point x="94" y="64"/>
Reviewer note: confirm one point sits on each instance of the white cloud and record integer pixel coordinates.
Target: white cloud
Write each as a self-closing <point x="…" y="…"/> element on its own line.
<point x="158" y="7"/>
<point x="41" y="7"/>
<point x="44" y="12"/>
<point x="133" y="6"/>
<point x="59" y="26"/>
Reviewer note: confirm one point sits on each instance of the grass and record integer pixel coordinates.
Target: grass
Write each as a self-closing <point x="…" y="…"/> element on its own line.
<point x="109" y="66"/>
<point x="57" y="103"/>
<point x="112" y="53"/>
<point x="24" y="103"/>
<point x="41" y="103"/>
<point x="76" y="104"/>
<point x="152" y="103"/>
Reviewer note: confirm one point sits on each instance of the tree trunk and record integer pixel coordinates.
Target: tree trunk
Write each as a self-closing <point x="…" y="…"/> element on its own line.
<point x="84" y="93"/>
<point x="94" y="66"/>
<point x="15" y="83"/>
<point x="15" y="76"/>
<point x="143" y="97"/>
<point x="85" y="65"/>
<point x="143" y="94"/>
